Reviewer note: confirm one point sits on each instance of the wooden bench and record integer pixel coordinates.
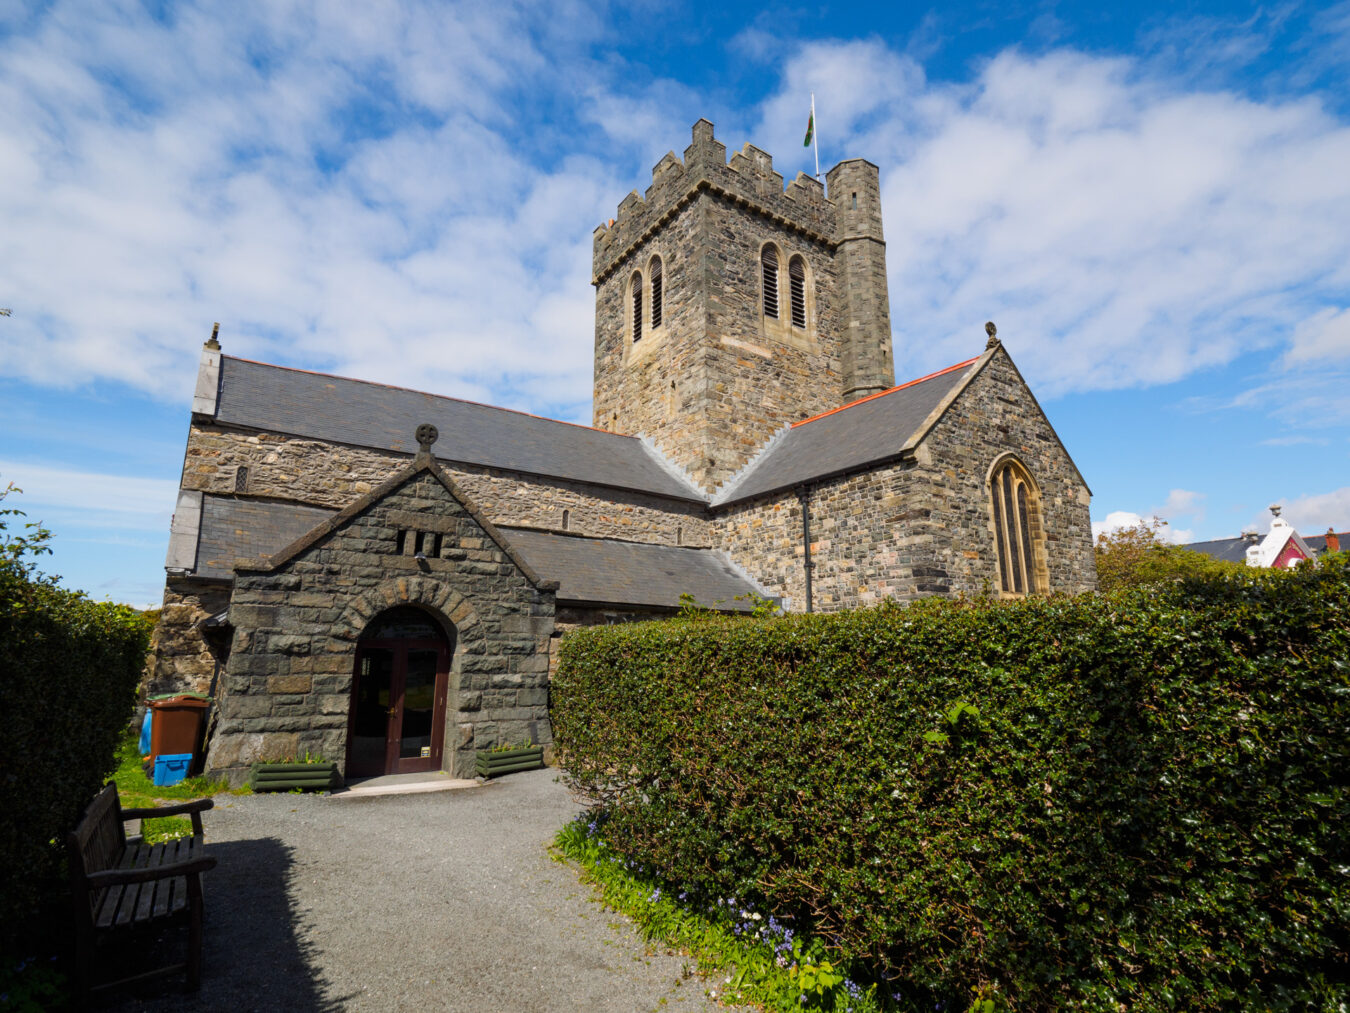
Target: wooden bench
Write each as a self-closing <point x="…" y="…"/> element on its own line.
<point x="119" y="885"/>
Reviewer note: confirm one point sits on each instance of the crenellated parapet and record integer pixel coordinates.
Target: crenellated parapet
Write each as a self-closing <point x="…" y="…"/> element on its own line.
<point x="748" y="181"/>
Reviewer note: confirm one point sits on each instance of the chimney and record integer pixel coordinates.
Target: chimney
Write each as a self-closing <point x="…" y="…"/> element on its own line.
<point x="1333" y="541"/>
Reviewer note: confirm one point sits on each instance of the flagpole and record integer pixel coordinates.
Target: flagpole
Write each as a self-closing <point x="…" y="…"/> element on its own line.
<point x="815" y="135"/>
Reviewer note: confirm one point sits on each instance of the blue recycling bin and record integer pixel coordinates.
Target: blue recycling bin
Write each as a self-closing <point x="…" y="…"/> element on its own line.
<point x="171" y="768"/>
<point x="145" y="731"/>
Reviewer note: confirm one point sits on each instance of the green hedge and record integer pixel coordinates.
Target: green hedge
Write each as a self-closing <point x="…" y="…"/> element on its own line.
<point x="68" y="673"/>
<point x="1135" y="799"/>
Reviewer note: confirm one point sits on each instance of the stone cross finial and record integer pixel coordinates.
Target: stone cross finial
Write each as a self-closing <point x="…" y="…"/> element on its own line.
<point x="426" y="434"/>
<point x="992" y="331"/>
<point x="214" y="342"/>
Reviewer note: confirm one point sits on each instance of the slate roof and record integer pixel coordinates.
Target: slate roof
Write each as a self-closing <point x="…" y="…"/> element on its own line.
<point x="340" y="410"/>
<point x="234" y="529"/>
<point x="632" y="573"/>
<point x="1230" y="550"/>
<point x="1234" y="550"/>
<point x="1318" y="543"/>
<point x="857" y="434"/>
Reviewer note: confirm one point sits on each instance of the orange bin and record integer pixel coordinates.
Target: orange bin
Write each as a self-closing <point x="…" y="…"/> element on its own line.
<point x="176" y="726"/>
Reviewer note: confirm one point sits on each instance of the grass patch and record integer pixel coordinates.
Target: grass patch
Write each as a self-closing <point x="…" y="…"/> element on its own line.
<point x="752" y="957"/>
<point x="136" y="791"/>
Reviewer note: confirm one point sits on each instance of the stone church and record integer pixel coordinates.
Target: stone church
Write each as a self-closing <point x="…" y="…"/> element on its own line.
<point x="381" y="575"/>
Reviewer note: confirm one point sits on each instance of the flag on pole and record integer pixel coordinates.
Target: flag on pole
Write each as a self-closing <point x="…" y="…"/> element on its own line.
<point x="810" y="128"/>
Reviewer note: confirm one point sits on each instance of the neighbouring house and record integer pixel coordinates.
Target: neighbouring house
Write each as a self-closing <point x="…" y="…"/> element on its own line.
<point x="1280" y="548"/>
<point x="381" y="575"/>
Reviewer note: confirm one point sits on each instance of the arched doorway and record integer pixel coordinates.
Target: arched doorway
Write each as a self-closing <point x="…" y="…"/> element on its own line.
<point x="397" y="717"/>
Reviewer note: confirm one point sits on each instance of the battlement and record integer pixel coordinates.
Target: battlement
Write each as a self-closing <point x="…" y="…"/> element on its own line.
<point x="749" y="180"/>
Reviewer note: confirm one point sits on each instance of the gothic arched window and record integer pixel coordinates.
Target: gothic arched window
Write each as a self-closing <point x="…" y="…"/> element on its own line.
<point x="1017" y="529"/>
<point x="797" y="291"/>
<point x="769" y="273"/>
<point x="637" y="306"/>
<point x="658" y="291"/>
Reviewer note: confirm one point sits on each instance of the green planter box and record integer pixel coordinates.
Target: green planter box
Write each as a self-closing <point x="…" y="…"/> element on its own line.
<point x="508" y="761"/>
<point x="286" y="776"/>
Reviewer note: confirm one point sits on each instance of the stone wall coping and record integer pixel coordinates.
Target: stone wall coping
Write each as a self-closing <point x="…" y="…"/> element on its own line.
<point x="705" y="185"/>
<point x="423" y="462"/>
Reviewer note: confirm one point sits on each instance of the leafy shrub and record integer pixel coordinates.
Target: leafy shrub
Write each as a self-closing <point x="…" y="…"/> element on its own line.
<point x="68" y="673"/>
<point x="1134" y="557"/>
<point x="1135" y="800"/>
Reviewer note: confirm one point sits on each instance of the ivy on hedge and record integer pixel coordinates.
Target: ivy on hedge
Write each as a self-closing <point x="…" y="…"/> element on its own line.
<point x="1135" y="800"/>
<point x="68" y="674"/>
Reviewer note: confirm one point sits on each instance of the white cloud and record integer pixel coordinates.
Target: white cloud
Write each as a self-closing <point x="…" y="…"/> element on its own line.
<point x="1313" y="514"/>
<point x="1121" y="229"/>
<point x="89" y="499"/>
<point x="400" y="193"/>
<point x="341" y="188"/>
<point x="1323" y="336"/>
<point x="1117" y="520"/>
<point x="1183" y="503"/>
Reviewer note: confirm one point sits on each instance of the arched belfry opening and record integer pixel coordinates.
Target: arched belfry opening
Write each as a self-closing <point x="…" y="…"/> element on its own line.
<point x="396" y="723"/>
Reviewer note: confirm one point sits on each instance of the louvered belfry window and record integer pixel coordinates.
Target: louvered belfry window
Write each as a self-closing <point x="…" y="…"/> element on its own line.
<point x="1013" y="497"/>
<point x="797" y="289"/>
<point x="658" y="290"/>
<point x="637" y="307"/>
<point x="769" y="264"/>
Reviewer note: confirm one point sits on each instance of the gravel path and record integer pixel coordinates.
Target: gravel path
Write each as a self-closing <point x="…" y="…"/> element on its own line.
<point x="443" y="901"/>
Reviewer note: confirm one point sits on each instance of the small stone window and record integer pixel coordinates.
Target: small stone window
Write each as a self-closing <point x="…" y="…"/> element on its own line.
<point x="657" y="282"/>
<point x="241" y="478"/>
<point x="637" y="307"/>
<point x="769" y="274"/>
<point x="797" y="291"/>
<point x="567" y="520"/>
<point x="1017" y="530"/>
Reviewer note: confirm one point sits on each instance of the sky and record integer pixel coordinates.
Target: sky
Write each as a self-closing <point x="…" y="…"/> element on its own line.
<point x="1151" y="201"/>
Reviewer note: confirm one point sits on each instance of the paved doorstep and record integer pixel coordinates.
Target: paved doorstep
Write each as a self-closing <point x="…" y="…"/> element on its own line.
<point x="430" y="901"/>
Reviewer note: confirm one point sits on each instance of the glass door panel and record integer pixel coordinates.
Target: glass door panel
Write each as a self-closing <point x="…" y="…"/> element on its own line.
<point x="371" y="711"/>
<point x="419" y="703"/>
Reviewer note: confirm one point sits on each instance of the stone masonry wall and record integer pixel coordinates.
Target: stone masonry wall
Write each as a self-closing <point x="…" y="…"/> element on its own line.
<point x="287" y="687"/>
<point x="180" y="660"/>
<point x="920" y="527"/>
<point x="335" y="475"/>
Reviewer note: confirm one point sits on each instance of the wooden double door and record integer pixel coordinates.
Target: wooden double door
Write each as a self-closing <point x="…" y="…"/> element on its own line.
<point x="397" y="718"/>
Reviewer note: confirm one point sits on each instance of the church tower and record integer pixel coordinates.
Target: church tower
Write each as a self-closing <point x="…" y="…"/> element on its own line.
<point x="728" y="307"/>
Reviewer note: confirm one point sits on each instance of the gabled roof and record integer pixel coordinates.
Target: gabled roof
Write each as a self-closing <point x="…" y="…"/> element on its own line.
<point x="863" y="432"/>
<point x="423" y="462"/>
<point x="608" y="571"/>
<point x="336" y="409"/>
<point x="597" y="570"/>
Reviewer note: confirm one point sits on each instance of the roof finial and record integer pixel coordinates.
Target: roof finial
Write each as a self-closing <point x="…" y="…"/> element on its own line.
<point x="214" y="344"/>
<point x="992" y="331"/>
<point x="426" y="434"/>
<point x="1275" y="509"/>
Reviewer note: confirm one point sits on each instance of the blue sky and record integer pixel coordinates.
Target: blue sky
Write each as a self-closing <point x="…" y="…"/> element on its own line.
<point x="1152" y="201"/>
